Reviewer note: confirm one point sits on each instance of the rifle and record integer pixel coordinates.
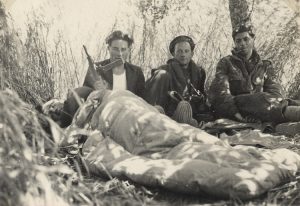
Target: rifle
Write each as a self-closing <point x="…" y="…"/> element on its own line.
<point x="101" y="68"/>
<point x="93" y="72"/>
<point x="88" y="56"/>
<point x="96" y="81"/>
<point x="192" y="96"/>
<point x="109" y="66"/>
<point x="91" y="63"/>
<point x="198" y="94"/>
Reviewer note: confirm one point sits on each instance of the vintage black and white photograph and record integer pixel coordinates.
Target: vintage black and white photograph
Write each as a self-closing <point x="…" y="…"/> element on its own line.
<point x="149" y="102"/>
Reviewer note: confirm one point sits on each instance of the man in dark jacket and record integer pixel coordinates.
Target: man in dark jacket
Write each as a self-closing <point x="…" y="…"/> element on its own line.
<point x="245" y="86"/>
<point x="115" y="71"/>
<point x="179" y="79"/>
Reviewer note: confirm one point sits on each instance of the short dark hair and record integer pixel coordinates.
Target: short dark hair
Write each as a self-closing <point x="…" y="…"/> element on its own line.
<point x="241" y="29"/>
<point x="116" y="35"/>
<point x="181" y="38"/>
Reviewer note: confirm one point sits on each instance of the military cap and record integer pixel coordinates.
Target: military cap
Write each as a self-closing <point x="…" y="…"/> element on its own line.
<point x="243" y="28"/>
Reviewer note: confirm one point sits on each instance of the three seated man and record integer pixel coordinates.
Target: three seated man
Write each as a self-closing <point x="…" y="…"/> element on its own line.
<point x="244" y="87"/>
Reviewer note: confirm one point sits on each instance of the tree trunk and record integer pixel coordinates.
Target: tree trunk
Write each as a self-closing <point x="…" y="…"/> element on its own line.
<point x="295" y="6"/>
<point x="3" y="33"/>
<point x="240" y="12"/>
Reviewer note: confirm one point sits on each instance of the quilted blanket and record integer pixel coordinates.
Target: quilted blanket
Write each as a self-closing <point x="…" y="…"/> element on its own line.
<point x="132" y="140"/>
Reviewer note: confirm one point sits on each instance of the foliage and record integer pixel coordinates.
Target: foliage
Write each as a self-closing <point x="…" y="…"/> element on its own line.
<point x="22" y="146"/>
<point x="153" y="25"/>
<point x="24" y="67"/>
<point x="156" y="10"/>
<point x="283" y="51"/>
<point x="39" y="70"/>
<point x="35" y="171"/>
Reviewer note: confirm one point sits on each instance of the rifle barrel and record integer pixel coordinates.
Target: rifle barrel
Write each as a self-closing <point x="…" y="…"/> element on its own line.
<point x="87" y="54"/>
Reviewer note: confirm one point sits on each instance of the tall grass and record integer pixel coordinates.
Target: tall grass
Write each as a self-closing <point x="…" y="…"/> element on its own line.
<point x="25" y="176"/>
<point x="24" y="66"/>
<point x="283" y="50"/>
<point x="36" y="72"/>
<point x="60" y="66"/>
<point x="33" y="171"/>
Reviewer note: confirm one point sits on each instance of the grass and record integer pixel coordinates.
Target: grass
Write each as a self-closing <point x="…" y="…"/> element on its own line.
<point x="35" y="171"/>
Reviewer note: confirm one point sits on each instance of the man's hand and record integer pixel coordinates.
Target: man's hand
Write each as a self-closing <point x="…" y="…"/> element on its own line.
<point x="239" y="117"/>
<point x="250" y="119"/>
<point x="99" y="85"/>
<point x="247" y="119"/>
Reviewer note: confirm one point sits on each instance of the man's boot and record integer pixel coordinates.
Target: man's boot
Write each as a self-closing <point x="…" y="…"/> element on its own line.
<point x="291" y="127"/>
<point x="292" y="113"/>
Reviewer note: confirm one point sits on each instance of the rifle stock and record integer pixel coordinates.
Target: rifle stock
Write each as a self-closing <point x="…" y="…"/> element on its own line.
<point x="95" y="80"/>
<point x="109" y="66"/>
<point x="91" y="63"/>
<point x="93" y="71"/>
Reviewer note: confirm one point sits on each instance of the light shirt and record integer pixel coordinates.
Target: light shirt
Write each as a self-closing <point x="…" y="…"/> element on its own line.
<point x="119" y="81"/>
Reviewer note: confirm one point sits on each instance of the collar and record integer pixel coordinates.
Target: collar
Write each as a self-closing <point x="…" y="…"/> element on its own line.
<point x="174" y="62"/>
<point x="254" y="57"/>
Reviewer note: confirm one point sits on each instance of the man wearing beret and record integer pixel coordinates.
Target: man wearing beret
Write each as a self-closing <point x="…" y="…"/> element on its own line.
<point x="180" y="79"/>
<point x="245" y="86"/>
<point x="116" y="71"/>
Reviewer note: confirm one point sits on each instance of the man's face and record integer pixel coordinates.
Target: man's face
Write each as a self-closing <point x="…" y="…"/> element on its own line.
<point x="183" y="53"/>
<point x="118" y="49"/>
<point x="244" y="43"/>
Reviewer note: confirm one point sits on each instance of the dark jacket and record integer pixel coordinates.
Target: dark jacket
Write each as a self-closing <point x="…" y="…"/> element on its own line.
<point x="234" y="77"/>
<point x="171" y="77"/>
<point x="135" y="83"/>
<point x="134" y="77"/>
<point x="195" y="73"/>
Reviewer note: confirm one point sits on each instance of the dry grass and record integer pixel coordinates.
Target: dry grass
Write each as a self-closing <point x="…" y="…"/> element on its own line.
<point x="35" y="171"/>
<point x="22" y="151"/>
<point x="25" y="68"/>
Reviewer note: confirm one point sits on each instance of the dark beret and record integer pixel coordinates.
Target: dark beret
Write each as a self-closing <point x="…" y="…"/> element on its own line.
<point x="181" y="38"/>
<point x="116" y="35"/>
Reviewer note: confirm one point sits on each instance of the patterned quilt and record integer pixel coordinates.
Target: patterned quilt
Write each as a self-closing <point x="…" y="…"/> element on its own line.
<point x="130" y="139"/>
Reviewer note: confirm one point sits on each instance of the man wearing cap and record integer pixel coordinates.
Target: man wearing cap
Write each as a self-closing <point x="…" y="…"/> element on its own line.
<point x="115" y="71"/>
<point x="180" y="78"/>
<point x="245" y="87"/>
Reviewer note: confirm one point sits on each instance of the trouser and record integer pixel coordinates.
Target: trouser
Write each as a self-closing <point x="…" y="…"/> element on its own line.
<point x="264" y="106"/>
<point x="71" y="104"/>
<point x="157" y="88"/>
